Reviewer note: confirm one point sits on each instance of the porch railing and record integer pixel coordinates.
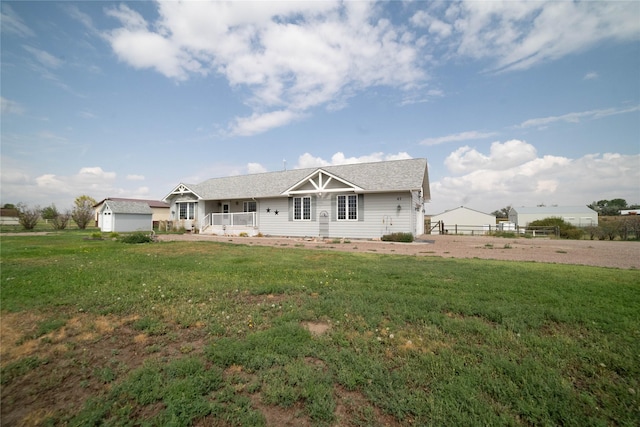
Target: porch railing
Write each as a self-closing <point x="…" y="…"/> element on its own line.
<point x="240" y="219"/>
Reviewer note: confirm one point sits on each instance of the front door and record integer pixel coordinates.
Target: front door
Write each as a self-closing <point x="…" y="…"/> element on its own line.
<point x="225" y="217"/>
<point x="324" y="224"/>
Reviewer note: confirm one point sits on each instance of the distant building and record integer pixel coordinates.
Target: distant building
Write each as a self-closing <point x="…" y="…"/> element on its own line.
<point x="630" y="212"/>
<point x="580" y="216"/>
<point x="462" y="220"/>
<point x="159" y="209"/>
<point x="119" y="216"/>
<point x="9" y="217"/>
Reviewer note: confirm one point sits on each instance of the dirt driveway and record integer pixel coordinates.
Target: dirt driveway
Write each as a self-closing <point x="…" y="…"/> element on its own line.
<point x="614" y="254"/>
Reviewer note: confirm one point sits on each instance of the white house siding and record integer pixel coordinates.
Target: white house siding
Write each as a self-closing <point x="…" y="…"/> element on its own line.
<point x="417" y="210"/>
<point x="174" y="214"/>
<point x="381" y="216"/>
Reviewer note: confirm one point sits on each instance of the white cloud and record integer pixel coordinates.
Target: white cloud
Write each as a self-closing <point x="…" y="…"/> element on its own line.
<point x="512" y="173"/>
<point x="133" y="177"/>
<point x="291" y="56"/>
<point x="87" y="115"/>
<point x="578" y="116"/>
<point x="43" y="57"/>
<point x="457" y="137"/>
<point x="255" y="168"/>
<point x="307" y="160"/>
<point x="502" y="156"/>
<point x="11" y="23"/>
<point x="519" y="35"/>
<point x="591" y="75"/>
<point x="8" y="106"/>
<point x="18" y="185"/>
<point x="258" y="123"/>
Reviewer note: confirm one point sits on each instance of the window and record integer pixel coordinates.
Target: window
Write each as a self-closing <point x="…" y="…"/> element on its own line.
<point x="186" y="210"/>
<point x="302" y="208"/>
<point x="250" y="207"/>
<point x="348" y="208"/>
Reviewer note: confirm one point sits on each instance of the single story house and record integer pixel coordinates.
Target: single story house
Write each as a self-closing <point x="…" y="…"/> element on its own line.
<point x="462" y="220"/>
<point x="159" y="209"/>
<point x="366" y="200"/>
<point x="125" y="216"/>
<point x="9" y="216"/>
<point x="580" y="216"/>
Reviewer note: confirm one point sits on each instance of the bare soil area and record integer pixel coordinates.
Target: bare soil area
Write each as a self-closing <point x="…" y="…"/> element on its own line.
<point x="601" y="253"/>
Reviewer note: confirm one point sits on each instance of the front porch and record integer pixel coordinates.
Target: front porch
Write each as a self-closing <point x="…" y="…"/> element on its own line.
<point x="230" y="224"/>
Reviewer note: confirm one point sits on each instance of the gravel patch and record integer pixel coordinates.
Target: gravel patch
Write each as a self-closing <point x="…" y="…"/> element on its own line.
<point x="601" y="253"/>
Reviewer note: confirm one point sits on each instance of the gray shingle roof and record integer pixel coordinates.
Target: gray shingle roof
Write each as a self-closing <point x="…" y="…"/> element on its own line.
<point x="371" y="177"/>
<point x="128" y="207"/>
<point x="151" y="203"/>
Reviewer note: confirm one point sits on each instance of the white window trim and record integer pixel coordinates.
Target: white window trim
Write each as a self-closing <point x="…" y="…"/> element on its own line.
<point x="346" y="208"/>
<point x="246" y="205"/>
<point x="302" y="218"/>
<point x="191" y="208"/>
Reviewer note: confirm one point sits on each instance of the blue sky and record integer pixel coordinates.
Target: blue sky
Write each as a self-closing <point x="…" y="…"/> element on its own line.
<point x="512" y="103"/>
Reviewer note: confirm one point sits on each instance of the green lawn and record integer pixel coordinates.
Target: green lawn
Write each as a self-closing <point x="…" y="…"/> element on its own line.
<point x="181" y="333"/>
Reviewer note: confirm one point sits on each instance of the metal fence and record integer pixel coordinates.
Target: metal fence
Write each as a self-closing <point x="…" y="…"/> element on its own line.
<point x="480" y="230"/>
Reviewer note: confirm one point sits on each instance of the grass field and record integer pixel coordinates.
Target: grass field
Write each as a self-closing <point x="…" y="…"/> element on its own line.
<point x="97" y="332"/>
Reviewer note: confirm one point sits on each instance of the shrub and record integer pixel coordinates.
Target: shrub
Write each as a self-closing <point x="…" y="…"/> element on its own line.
<point x="567" y="230"/>
<point x="61" y="220"/>
<point x="609" y="229"/>
<point x="505" y="234"/>
<point x="28" y="217"/>
<point x="82" y="216"/>
<point x="138" y="237"/>
<point x="398" y="237"/>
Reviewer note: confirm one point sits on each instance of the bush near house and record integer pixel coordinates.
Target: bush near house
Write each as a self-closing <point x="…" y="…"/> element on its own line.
<point x="398" y="237"/>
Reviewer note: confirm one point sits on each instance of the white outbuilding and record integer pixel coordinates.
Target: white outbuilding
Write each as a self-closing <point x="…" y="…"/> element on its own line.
<point x="580" y="216"/>
<point x="125" y="216"/>
<point x="462" y="220"/>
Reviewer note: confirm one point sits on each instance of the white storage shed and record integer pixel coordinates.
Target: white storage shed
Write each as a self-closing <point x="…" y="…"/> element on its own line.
<point x="122" y="217"/>
<point x="580" y="216"/>
<point x="463" y="220"/>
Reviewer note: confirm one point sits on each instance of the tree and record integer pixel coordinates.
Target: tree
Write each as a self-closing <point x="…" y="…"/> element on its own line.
<point x="50" y="212"/>
<point x="608" y="207"/>
<point x="502" y="213"/>
<point x="82" y="213"/>
<point x="28" y="217"/>
<point x="8" y="206"/>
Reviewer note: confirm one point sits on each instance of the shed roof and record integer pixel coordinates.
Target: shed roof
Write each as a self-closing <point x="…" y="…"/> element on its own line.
<point x="554" y="210"/>
<point x="397" y="175"/>
<point x="151" y="203"/>
<point x="464" y="208"/>
<point x="128" y="207"/>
